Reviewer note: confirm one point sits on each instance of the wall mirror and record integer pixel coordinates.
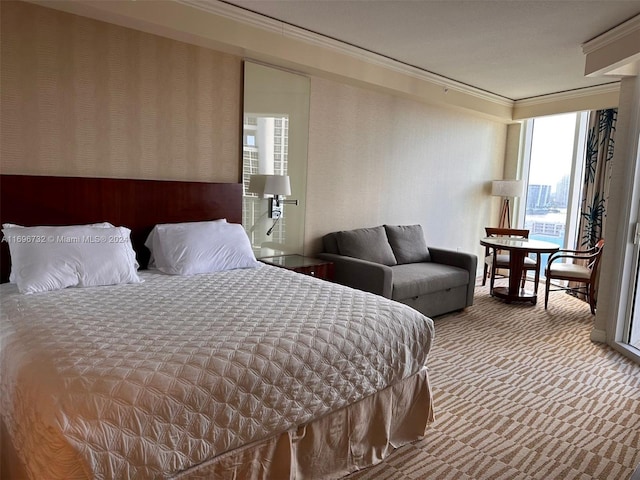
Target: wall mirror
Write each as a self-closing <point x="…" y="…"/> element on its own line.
<point x="275" y="138"/>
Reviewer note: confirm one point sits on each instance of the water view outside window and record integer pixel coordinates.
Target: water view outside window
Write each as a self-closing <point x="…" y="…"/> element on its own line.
<point x="550" y="170"/>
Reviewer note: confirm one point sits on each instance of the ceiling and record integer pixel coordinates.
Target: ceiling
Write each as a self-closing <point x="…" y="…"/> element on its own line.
<point x="516" y="49"/>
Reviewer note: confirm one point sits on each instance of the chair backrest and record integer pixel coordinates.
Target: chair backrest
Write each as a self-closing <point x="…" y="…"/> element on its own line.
<point x="506" y="232"/>
<point x="595" y="261"/>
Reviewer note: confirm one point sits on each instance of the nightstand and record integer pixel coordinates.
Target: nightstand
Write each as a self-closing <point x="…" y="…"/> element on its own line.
<point x="313" y="267"/>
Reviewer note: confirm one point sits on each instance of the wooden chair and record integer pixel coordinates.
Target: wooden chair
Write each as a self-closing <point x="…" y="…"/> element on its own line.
<point x="573" y="272"/>
<point x="502" y="258"/>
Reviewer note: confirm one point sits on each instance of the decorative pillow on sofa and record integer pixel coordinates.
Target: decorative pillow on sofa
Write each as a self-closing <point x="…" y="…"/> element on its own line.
<point x="369" y="244"/>
<point x="408" y="243"/>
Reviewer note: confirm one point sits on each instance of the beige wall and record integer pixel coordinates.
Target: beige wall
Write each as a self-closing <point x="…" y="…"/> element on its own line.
<point x="376" y="158"/>
<point x="87" y="98"/>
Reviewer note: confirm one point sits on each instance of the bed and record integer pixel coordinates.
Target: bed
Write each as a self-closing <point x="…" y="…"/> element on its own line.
<point x="242" y="373"/>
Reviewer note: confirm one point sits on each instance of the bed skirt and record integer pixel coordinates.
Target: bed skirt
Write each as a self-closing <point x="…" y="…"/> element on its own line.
<point x="350" y="439"/>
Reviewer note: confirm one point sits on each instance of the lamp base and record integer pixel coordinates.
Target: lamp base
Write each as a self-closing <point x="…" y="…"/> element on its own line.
<point x="505" y="217"/>
<point x="275" y="207"/>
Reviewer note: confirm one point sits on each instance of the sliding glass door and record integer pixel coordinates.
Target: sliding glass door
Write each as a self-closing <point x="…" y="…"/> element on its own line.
<point x="631" y="329"/>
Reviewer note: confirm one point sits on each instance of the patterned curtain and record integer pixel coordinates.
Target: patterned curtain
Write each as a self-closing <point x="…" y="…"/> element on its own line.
<point x="597" y="176"/>
<point x="597" y="179"/>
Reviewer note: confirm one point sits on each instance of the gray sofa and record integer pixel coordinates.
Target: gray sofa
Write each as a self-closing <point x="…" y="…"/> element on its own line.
<point x="395" y="262"/>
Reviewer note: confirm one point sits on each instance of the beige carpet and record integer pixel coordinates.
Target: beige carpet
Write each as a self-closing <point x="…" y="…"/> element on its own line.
<point x="522" y="393"/>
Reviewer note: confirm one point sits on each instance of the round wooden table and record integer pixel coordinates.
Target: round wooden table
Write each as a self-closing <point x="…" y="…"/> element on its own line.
<point x="518" y="249"/>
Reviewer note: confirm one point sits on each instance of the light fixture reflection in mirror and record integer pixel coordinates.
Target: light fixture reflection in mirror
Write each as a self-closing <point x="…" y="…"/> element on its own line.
<point x="278" y="187"/>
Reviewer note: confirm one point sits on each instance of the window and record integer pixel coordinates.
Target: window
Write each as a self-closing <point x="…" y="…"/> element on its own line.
<point x="554" y="178"/>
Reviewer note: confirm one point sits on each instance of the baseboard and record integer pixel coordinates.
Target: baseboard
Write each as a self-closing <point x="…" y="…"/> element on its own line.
<point x="598" y="336"/>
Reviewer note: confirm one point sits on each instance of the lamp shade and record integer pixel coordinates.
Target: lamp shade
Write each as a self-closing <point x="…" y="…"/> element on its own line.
<point x="277" y="185"/>
<point x="507" y="188"/>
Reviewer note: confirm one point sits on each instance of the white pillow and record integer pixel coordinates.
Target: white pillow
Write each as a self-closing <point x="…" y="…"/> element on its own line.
<point x="200" y="247"/>
<point x="52" y="258"/>
<point x="156" y="249"/>
<point x="12" y="276"/>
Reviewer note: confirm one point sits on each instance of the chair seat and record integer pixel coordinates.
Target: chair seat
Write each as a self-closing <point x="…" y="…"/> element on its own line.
<point x="569" y="270"/>
<point x="502" y="261"/>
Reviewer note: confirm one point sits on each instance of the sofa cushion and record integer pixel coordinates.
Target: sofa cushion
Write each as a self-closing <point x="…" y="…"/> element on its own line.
<point x="408" y="243"/>
<point x="415" y="279"/>
<point x="369" y="244"/>
<point x="330" y="243"/>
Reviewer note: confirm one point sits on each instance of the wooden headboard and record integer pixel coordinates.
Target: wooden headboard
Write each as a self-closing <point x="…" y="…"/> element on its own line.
<point x="136" y="204"/>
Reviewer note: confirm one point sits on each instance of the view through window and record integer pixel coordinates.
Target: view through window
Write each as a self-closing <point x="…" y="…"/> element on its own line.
<point x="547" y="214"/>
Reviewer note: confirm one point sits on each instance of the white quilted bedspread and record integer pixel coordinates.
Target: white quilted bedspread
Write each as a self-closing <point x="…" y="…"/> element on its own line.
<point x="148" y="380"/>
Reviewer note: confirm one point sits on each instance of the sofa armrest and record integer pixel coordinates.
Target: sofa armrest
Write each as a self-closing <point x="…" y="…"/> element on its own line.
<point x="361" y="274"/>
<point x="464" y="260"/>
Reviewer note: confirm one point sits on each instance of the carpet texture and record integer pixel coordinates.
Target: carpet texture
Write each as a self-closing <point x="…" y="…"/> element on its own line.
<point x="522" y="393"/>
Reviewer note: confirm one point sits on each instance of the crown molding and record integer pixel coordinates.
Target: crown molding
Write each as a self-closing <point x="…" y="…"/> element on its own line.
<point x="238" y="14"/>
<point x="611" y="36"/>
<point x="607" y="88"/>
<point x="235" y="13"/>
<point x="589" y="98"/>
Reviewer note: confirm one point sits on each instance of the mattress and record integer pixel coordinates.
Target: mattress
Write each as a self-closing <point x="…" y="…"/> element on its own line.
<point x="153" y="380"/>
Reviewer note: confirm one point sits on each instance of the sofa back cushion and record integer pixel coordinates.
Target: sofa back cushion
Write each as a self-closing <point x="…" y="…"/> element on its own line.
<point x="330" y="243"/>
<point x="408" y="243"/>
<point x="369" y="244"/>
